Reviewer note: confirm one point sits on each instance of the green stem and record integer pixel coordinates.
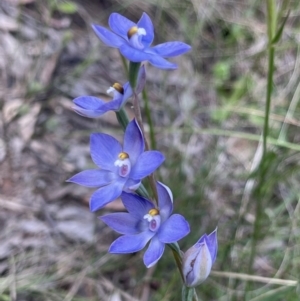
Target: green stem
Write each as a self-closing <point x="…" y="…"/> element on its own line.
<point x="133" y="74"/>
<point x="142" y="191"/>
<point x="271" y="22"/>
<point x="122" y="118"/>
<point x="138" y="116"/>
<point x="125" y="65"/>
<point x="149" y="120"/>
<point x="177" y="254"/>
<point x="271" y="55"/>
<point x="188" y="293"/>
<point x="271" y="19"/>
<point x="271" y="9"/>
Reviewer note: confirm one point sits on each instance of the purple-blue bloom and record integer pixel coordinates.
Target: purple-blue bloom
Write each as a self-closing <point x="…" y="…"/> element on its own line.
<point x="121" y="167"/>
<point x="198" y="260"/>
<point x="134" y="40"/>
<point x="90" y="106"/>
<point x="145" y="222"/>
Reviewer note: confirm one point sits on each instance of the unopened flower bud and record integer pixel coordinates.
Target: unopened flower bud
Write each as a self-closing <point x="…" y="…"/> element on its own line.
<point x="198" y="260"/>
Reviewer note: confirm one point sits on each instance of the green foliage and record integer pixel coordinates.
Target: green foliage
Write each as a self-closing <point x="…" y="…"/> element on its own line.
<point x="65" y="7"/>
<point x="230" y="92"/>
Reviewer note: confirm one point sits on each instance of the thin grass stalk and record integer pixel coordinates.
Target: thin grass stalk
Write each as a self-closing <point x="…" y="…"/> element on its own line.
<point x="271" y="25"/>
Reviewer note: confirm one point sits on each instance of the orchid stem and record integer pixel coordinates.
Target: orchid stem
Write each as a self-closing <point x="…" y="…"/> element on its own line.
<point x="133" y="74"/>
<point x="188" y="293"/>
<point x="122" y="118"/>
<point x="177" y="254"/>
<point x="149" y="119"/>
<point x="125" y="65"/>
<point x="138" y="116"/>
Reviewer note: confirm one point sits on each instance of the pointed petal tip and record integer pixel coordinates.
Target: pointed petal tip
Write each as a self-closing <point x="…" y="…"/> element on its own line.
<point x="73" y="179"/>
<point x="150" y="265"/>
<point x="145" y="14"/>
<point x="93" y="25"/>
<point x="215" y="232"/>
<point x="94" y="206"/>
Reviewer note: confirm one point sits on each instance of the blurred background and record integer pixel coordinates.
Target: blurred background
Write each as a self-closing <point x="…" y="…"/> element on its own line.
<point x="208" y="118"/>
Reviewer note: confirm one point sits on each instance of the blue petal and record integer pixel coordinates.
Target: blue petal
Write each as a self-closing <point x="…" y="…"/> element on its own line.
<point x="146" y="164"/>
<point x="114" y="105"/>
<point x="212" y="244"/>
<point x="173" y="229"/>
<point x="107" y="37"/>
<point x="89" y="106"/>
<point x="133" y="141"/>
<point x="160" y="62"/>
<point x="133" y="54"/>
<point x="122" y="222"/>
<point x="146" y="23"/>
<point x="202" y="239"/>
<point x="105" y="195"/>
<point x="165" y="200"/>
<point x="136" y="205"/>
<point x="154" y="252"/>
<point x="105" y="150"/>
<point x="131" y="185"/>
<point x="171" y="49"/>
<point x="130" y="243"/>
<point x="93" y="178"/>
<point x="127" y="91"/>
<point x="89" y="113"/>
<point x="120" y="24"/>
<point x="89" y="102"/>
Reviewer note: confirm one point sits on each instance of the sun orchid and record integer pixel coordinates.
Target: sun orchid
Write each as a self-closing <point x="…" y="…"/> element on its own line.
<point x="198" y="260"/>
<point x="134" y="41"/>
<point x="121" y="167"/>
<point x="145" y="222"/>
<point x="92" y="107"/>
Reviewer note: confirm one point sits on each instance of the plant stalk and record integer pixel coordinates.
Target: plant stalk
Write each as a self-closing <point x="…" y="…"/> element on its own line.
<point x="133" y="75"/>
<point x="271" y="28"/>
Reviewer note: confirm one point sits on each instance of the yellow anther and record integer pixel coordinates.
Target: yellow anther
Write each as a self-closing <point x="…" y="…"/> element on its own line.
<point x="118" y="87"/>
<point x="133" y="30"/>
<point x="154" y="212"/>
<point x="123" y="156"/>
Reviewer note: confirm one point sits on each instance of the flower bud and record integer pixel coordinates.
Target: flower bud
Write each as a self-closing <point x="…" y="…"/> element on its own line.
<point x="198" y="260"/>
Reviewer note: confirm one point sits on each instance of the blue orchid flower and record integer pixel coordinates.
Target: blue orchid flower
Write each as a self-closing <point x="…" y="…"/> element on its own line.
<point x="93" y="107"/>
<point x="145" y="222"/>
<point x="121" y="167"/>
<point x="198" y="260"/>
<point x="90" y="106"/>
<point x="134" y="40"/>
